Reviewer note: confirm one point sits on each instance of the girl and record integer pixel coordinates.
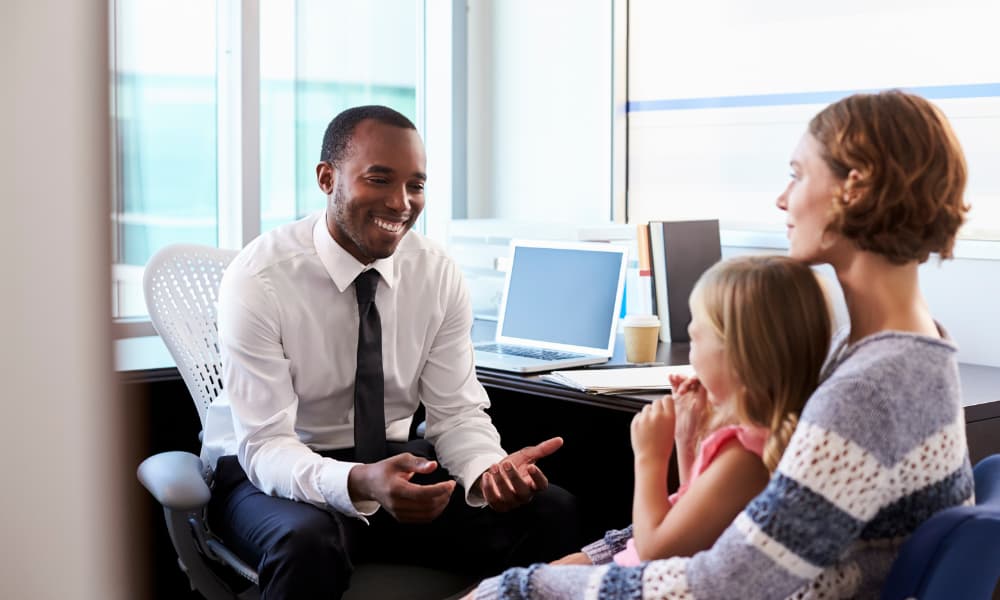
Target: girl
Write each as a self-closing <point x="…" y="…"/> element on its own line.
<point x="760" y="331"/>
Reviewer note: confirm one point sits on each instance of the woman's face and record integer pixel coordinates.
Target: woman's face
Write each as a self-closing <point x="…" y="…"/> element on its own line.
<point x="708" y="359"/>
<point x="808" y="200"/>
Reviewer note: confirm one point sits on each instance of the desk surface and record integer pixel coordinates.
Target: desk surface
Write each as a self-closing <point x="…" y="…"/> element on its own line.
<point x="147" y="359"/>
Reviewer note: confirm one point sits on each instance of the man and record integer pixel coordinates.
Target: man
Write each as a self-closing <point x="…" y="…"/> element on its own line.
<point x="333" y="330"/>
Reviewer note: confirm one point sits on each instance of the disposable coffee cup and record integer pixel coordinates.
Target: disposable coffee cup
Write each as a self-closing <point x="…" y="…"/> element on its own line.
<point x="641" y="335"/>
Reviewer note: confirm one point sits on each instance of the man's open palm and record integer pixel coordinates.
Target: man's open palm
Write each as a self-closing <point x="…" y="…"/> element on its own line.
<point x="516" y="479"/>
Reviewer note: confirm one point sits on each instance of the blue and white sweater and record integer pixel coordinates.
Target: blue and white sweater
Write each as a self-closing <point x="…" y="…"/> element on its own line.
<point x="880" y="447"/>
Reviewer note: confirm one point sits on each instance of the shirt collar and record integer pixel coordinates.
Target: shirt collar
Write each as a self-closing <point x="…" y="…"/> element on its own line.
<point x="340" y="265"/>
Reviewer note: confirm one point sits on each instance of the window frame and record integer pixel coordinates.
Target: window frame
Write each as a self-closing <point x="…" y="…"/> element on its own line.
<point x="238" y="89"/>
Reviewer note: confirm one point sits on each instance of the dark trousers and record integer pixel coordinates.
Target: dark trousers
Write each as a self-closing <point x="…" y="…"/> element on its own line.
<point x="301" y="551"/>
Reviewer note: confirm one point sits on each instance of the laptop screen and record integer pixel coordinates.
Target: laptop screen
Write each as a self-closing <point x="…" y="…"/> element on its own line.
<point x="563" y="294"/>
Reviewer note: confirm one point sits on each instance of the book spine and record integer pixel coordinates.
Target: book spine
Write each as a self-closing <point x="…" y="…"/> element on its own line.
<point x="658" y="259"/>
<point x="646" y="283"/>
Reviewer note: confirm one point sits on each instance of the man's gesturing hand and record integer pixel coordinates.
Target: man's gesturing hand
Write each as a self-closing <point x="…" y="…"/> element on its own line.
<point x="516" y="479"/>
<point x="388" y="483"/>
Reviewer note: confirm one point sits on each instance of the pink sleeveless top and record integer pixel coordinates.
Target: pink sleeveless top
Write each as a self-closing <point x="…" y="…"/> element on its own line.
<point x="751" y="438"/>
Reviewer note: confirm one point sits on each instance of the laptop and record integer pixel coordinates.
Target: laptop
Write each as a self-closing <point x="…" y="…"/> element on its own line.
<point x="560" y="307"/>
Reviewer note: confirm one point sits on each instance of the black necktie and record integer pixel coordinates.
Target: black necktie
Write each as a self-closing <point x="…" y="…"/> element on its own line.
<point x="369" y="409"/>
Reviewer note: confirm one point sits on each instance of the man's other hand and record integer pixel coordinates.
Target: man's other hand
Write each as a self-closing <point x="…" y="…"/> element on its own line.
<point x="388" y="483"/>
<point x="516" y="479"/>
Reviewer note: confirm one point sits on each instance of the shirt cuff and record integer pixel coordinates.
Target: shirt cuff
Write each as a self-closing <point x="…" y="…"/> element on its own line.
<point x="470" y="475"/>
<point x="332" y="484"/>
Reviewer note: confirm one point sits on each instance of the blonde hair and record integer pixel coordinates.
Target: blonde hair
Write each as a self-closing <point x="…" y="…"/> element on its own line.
<point x="773" y="318"/>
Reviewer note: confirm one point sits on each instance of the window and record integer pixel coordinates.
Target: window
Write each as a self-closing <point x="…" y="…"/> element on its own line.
<point x="164" y="121"/>
<point x="538" y="134"/>
<point x="174" y="102"/>
<point x="317" y="58"/>
<point x="720" y="91"/>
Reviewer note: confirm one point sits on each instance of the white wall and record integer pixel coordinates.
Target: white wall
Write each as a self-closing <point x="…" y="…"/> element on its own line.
<point x="724" y="89"/>
<point x="964" y="295"/>
<point x="540" y="102"/>
<point x="61" y="435"/>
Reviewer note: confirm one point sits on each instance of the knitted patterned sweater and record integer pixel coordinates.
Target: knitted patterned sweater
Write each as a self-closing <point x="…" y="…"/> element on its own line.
<point x="880" y="447"/>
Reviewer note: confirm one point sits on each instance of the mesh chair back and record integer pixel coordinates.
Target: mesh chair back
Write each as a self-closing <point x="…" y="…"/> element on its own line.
<point x="181" y="284"/>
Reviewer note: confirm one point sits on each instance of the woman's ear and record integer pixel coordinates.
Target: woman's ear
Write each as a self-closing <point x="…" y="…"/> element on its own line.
<point x="852" y="187"/>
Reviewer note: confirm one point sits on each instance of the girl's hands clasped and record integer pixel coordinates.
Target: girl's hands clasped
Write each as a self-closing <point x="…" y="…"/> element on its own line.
<point x="693" y="413"/>
<point x="692" y="409"/>
<point x="653" y="431"/>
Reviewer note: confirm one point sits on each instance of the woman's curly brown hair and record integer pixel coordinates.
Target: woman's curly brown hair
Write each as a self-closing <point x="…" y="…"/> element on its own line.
<point x="908" y="191"/>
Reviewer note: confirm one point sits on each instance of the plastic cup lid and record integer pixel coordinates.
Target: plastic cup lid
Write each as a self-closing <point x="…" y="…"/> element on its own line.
<point x="642" y="321"/>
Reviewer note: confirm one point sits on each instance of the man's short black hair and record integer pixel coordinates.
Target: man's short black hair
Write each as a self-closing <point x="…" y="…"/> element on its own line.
<point x="338" y="134"/>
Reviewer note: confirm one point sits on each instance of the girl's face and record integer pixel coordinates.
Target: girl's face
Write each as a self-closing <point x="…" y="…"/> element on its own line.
<point x="708" y="358"/>
<point x="807" y="200"/>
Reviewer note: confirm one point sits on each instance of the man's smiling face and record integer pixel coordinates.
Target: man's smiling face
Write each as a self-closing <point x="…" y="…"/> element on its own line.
<point x="377" y="192"/>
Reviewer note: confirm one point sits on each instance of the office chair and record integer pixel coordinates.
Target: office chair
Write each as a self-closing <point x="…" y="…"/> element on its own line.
<point x="181" y="285"/>
<point x="955" y="553"/>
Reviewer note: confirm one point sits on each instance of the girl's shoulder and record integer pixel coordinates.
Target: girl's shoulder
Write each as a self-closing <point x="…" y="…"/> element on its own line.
<point x="750" y="437"/>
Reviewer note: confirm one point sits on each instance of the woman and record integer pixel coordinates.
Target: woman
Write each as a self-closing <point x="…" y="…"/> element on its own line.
<point x="876" y="187"/>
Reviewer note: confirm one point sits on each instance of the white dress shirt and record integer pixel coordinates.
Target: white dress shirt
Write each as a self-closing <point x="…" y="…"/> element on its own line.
<point x="288" y="331"/>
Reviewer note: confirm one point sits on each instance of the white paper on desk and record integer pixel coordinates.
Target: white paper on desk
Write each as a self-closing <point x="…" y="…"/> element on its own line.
<point x="616" y="381"/>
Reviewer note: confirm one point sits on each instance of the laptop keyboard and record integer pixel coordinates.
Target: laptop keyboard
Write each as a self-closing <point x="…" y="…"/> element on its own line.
<point x="539" y="353"/>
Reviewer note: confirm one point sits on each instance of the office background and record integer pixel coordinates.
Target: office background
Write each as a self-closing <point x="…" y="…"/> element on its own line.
<point x="538" y="117"/>
<point x="524" y="107"/>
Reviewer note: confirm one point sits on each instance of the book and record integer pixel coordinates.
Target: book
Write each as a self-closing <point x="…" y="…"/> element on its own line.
<point x="618" y="381"/>
<point x="680" y="252"/>
<point x="644" y="283"/>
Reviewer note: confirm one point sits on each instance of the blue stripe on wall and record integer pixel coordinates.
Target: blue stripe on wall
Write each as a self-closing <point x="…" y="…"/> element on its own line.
<point x="931" y="92"/>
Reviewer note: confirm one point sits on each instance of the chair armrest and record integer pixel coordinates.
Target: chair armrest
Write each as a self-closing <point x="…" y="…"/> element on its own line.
<point x="175" y="480"/>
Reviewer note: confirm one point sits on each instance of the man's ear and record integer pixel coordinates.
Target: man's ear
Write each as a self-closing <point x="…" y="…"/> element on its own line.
<point x="326" y="177"/>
